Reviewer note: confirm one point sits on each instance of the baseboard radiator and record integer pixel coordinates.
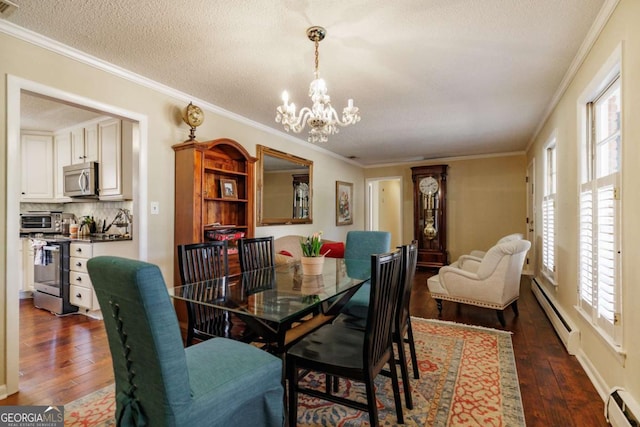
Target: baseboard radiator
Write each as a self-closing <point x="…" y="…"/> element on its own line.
<point x="566" y="330"/>
<point x="621" y="409"/>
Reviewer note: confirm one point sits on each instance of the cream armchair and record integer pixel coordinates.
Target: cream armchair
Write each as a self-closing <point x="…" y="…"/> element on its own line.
<point x="492" y="281"/>
<point x="507" y="238"/>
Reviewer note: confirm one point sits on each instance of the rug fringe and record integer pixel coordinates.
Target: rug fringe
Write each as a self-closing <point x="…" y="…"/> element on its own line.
<point x="451" y="323"/>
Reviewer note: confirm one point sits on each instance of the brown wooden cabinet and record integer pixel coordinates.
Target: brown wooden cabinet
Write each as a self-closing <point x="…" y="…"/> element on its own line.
<point x="430" y="214"/>
<point x="203" y="206"/>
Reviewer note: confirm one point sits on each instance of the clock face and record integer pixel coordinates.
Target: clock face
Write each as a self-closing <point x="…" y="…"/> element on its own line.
<point x="429" y="185"/>
<point x="193" y="115"/>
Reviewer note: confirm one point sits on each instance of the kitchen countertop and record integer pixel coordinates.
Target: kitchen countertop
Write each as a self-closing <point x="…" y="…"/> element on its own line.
<point x="95" y="238"/>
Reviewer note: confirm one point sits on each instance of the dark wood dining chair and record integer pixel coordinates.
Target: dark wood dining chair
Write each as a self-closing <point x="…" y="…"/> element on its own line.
<point x="402" y="330"/>
<point x="256" y="253"/>
<point x="359" y="355"/>
<point x="199" y="262"/>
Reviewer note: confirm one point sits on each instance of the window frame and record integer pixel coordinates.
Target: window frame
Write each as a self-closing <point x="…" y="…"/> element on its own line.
<point x="549" y="204"/>
<point x="599" y="243"/>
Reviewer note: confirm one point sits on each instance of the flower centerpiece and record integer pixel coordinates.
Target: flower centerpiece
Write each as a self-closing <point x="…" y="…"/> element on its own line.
<point x="312" y="260"/>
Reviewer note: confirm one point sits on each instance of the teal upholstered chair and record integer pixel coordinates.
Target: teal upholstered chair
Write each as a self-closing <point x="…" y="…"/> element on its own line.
<point x="361" y="245"/>
<point x="219" y="382"/>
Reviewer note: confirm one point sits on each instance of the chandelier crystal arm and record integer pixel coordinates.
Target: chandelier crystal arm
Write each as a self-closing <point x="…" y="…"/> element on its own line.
<point x="322" y="118"/>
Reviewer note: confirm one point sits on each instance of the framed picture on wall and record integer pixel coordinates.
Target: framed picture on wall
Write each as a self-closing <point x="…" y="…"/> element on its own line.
<point x="228" y="189"/>
<point x="344" y="203"/>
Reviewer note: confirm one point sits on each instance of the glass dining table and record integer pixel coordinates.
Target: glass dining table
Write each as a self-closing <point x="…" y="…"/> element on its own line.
<point x="280" y="304"/>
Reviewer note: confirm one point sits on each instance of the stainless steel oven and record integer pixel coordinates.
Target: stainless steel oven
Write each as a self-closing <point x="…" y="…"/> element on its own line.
<point x="51" y="277"/>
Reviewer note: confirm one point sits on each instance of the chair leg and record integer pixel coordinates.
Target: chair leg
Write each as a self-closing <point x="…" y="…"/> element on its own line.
<point x="402" y="358"/>
<point x="501" y="317"/>
<point x="514" y="306"/>
<point x="372" y="407"/>
<point x="439" y="304"/>
<point x="292" y="377"/>
<point x="412" y="350"/>
<point x="396" y="388"/>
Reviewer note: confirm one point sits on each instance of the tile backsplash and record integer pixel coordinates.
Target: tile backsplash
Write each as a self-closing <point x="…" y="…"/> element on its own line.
<point x="101" y="211"/>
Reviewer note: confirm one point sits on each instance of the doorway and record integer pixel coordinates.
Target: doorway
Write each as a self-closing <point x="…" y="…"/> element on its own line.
<point x="16" y="86"/>
<point x="384" y="207"/>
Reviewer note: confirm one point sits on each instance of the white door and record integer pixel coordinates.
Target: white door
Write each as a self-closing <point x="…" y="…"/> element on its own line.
<point x="530" y="261"/>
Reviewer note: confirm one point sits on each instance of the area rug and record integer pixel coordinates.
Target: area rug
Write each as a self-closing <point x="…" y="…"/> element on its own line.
<point x="467" y="378"/>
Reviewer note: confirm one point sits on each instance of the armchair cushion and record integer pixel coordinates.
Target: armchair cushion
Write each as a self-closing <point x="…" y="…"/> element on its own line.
<point x="332" y="249"/>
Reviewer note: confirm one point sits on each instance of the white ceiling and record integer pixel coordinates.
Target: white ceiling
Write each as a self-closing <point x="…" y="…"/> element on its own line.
<point x="432" y="78"/>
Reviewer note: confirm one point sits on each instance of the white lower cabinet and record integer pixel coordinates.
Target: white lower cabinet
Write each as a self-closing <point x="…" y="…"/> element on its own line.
<point x="26" y="259"/>
<point x="81" y="291"/>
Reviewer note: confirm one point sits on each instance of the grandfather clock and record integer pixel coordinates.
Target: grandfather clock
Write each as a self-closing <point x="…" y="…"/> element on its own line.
<point x="430" y="214"/>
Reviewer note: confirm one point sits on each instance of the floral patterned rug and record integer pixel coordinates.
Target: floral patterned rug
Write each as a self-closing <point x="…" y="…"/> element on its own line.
<point x="467" y="378"/>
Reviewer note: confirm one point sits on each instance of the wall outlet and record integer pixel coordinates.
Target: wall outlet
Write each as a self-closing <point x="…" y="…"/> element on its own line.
<point x="155" y="208"/>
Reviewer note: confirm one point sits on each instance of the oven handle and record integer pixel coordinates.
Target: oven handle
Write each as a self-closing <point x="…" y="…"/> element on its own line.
<point x="51" y="248"/>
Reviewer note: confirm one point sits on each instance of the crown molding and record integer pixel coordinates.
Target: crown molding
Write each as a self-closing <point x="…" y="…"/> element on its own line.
<point x="592" y="35"/>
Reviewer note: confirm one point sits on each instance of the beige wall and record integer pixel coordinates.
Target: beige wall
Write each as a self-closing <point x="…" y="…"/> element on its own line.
<point x="485" y="200"/>
<point x="607" y="368"/>
<point x="27" y="61"/>
<point x="389" y="198"/>
<point x="278" y="201"/>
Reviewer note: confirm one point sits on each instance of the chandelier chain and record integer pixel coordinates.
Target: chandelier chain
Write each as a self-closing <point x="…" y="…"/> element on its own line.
<point x="317" y="57"/>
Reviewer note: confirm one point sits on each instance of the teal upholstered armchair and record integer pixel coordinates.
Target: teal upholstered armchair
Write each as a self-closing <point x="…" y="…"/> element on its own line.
<point x="219" y="382"/>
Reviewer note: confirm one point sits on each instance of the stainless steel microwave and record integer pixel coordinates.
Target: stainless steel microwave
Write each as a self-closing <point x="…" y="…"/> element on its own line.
<point x="81" y="180"/>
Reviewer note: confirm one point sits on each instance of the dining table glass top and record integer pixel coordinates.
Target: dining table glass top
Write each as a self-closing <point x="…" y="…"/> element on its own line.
<point x="280" y="293"/>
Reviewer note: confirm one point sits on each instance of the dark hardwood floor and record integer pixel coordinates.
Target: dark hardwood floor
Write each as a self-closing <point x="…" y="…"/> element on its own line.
<point x="64" y="358"/>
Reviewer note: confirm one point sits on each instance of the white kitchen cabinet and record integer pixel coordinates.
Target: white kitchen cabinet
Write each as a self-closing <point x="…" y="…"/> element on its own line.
<point x="37" y="167"/>
<point x="62" y="143"/>
<point x="114" y="138"/>
<point x="81" y="292"/>
<point x="84" y="144"/>
<point x="26" y="267"/>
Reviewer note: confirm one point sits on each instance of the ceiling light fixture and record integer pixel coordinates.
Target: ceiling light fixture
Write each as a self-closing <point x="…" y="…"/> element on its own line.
<point x="322" y="118"/>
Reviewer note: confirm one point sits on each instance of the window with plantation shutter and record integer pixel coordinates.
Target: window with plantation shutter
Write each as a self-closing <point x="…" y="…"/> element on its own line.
<point x="599" y="240"/>
<point x="549" y="213"/>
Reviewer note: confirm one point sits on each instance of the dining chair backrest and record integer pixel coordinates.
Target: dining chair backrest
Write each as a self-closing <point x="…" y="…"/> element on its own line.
<point x="363" y="244"/>
<point x="203" y="261"/>
<point x="199" y="262"/>
<point x="409" y="262"/>
<point x="256" y="253"/>
<point x="385" y="281"/>
<point x="254" y="281"/>
<point x="148" y="356"/>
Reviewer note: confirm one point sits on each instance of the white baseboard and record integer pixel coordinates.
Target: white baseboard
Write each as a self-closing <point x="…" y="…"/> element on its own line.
<point x="564" y="327"/>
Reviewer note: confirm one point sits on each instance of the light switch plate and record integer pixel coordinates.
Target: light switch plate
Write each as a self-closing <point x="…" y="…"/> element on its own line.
<point x="155" y="208"/>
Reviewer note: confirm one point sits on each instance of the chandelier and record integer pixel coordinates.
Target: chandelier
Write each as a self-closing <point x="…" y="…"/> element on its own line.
<point x="322" y="118"/>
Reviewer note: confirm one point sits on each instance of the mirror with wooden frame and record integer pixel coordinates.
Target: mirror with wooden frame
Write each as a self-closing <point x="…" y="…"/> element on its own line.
<point x="285" y="188"/>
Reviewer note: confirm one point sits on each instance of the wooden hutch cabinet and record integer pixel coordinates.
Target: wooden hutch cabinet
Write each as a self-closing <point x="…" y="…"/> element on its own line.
<point x="214" y="195"/>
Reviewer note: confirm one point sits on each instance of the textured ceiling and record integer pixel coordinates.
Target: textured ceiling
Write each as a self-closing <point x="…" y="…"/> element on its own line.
<point x="432" y="78"/>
